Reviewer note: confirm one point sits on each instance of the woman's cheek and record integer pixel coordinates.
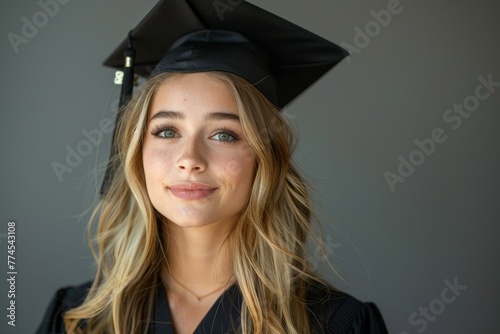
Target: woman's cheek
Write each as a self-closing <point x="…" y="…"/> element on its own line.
<point x="157" y="161"/>
<point x="233" y="167"/>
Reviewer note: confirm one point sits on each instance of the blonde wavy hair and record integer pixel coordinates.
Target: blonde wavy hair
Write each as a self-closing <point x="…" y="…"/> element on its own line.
<point x="270" y="258"/>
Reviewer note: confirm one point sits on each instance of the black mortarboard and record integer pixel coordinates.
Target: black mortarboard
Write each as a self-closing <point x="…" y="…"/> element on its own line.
<point x="280" y="58"/>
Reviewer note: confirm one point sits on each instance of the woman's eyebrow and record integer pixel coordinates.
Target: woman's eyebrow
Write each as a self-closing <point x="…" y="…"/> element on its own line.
<point x="168" y="114"/>
<point x="218" y="115"/>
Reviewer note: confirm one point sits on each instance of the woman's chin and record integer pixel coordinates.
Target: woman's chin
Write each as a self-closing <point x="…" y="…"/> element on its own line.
<point x="201" y="222"/>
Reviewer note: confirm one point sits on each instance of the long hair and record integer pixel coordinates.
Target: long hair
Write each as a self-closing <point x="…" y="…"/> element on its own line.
<point x="269" y="257"/>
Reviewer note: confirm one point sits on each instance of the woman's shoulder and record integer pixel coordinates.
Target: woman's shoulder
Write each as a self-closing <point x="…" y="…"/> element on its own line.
<point x="333" y="311"/>
<point x="64" y="299"/>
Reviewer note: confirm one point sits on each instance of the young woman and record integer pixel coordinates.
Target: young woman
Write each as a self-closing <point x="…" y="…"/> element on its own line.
<point x="209" y="210"/>
<point x="204" y="226"/>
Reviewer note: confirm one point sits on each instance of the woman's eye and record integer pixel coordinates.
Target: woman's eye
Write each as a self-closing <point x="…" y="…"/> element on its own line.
<point x="224" y="136"/>
<point x="167" y="134"/>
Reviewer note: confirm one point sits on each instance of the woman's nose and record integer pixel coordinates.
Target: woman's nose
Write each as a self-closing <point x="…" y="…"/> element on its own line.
<point x="192" y="156"/>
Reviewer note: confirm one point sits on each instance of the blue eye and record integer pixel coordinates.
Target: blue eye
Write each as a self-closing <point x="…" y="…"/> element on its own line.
<point x="167" y="134"/>
<point x="224" y="136"/>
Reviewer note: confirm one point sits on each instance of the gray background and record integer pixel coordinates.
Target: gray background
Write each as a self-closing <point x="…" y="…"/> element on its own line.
<point x="393" y="247"/>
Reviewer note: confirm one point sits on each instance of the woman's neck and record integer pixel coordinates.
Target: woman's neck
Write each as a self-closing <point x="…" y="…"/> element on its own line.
<point x="198" y="257"/>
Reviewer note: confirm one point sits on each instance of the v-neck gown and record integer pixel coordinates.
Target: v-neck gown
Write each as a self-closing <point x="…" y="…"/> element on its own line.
<point x="330" y="312"/>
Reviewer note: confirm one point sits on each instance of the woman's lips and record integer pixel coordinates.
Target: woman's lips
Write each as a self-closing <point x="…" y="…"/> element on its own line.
<point x="191" y="190"/>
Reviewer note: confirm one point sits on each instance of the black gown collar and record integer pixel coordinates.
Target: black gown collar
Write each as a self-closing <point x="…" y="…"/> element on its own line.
<point x="223" y="317"/>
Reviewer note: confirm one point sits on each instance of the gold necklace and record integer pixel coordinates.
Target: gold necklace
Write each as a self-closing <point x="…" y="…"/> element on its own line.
<point x="199" y="298"/>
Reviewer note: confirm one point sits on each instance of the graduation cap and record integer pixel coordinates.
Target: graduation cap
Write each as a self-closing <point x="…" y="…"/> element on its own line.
<point x="280" y="58"/>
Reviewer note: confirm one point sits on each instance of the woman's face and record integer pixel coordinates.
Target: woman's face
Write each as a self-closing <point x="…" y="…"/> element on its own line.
<point x="198" y="165"/>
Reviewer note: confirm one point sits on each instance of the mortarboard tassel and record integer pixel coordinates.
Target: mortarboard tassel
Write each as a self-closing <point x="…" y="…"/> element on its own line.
<point x="128" y="72"/>
<point x="126" y="93"/>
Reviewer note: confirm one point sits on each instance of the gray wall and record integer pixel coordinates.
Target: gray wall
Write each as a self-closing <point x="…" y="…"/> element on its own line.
<point x="399" y="247"/>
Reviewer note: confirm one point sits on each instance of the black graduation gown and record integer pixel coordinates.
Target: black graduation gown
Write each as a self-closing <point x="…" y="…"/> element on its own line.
<point x="330" y="311"/>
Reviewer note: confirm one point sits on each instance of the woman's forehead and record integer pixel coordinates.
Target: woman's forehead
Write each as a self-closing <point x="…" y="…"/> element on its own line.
<point x="199" y="93"/>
